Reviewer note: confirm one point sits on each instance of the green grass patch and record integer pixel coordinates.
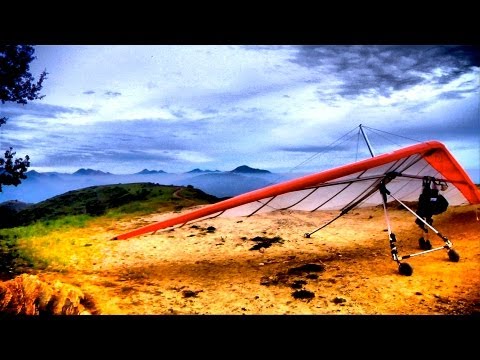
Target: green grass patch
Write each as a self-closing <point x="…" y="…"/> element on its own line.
<point x="42" y="228"/>
<point x="16" y="257"/>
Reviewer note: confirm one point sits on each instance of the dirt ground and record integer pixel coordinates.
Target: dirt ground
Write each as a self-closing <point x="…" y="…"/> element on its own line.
<point x="345" y="268"/>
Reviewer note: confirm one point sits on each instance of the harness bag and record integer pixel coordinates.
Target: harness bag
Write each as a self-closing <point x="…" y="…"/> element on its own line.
<point x="438" y="203"/>
<point x="431" y="202"/>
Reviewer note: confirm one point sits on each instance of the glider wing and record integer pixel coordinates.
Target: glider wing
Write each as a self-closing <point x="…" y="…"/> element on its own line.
<point x="345" y="187"/>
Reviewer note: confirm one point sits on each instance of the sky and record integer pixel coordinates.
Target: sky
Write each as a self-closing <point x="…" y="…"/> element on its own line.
<point x="123" y="108"/>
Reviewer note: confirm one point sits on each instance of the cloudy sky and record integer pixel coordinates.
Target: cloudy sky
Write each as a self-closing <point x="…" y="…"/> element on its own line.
<point x="125" y="108"/>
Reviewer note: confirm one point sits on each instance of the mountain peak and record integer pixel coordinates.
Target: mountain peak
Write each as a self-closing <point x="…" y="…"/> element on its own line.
<point x="32" y="173"/>
<point x="199" y="171"/>
<point x="248" y="169"/>
<point x="90" y="172"/>
<point x="149" y="172"/>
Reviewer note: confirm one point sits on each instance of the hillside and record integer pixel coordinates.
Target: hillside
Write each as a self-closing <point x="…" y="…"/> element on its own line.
<point x="97" y="200"/>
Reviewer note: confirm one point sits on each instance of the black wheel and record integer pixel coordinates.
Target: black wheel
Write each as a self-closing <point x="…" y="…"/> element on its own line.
<point x="428" y="246"/>
<point x="424" y="244"/>
<point x="421" y="243"/>
<point x="453" y="255"/>
<point x="405" y="269"/>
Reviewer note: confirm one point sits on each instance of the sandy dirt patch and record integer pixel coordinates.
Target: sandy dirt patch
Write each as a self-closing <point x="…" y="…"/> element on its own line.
<point x="345" y="268"/>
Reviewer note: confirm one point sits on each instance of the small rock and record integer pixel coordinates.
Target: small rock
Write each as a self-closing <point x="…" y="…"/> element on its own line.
<point x="265" y="280"/>
<point x="418" y="293"/>
<point x="306" y="268"/>
<point x="189" y="293"/>
<point x="303" y="294"/>
<point x="298" y="284"/>
<point x="261" y="264"/>
<point x="339" y="300"/>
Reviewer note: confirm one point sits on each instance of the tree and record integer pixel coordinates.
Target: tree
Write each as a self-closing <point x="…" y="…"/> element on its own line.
<point x="16" y="85"/>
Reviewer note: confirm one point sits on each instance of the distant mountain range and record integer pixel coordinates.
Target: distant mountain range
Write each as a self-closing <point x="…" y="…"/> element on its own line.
<point x="91" y="172"/>
<point x="41" y="186"/>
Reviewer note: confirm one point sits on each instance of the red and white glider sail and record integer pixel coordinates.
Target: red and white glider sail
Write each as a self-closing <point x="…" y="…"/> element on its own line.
<point x="345" y="187"/>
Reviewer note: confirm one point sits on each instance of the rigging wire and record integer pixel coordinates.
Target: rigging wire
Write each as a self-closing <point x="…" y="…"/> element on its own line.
<point x="324" y="151"/>
<point x="385" y="132"/>
<point x="327" y="148"/>
<point x="358" y="142"/>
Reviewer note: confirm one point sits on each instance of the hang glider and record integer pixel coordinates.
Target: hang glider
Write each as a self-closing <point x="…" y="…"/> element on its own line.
<point x="400" y="175"/>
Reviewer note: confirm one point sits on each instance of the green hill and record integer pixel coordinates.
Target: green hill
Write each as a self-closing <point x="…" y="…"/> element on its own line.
<point x="113" y="200"/>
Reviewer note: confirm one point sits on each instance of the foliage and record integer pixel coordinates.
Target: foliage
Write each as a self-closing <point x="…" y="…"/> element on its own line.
<point x="12" y="171"/>
<point x="18" y="85"/>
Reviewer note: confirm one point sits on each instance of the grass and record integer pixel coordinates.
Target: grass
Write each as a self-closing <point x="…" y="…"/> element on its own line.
<point x="43" y="243"/>
<point x="113" y="200"/>
<point x="22" y="244"/>
<point x="59" y="234"/>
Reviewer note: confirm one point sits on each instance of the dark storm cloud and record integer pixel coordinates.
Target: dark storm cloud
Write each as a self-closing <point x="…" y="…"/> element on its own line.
<point x="381" y="70"/>
<point x="112" y="93"/>
<point x="89" y="92"/>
